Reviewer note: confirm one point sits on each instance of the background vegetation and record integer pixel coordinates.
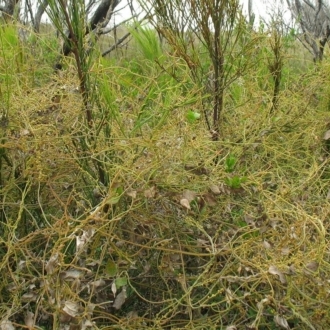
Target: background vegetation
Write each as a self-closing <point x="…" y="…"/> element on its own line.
<point x="121" y="210"/>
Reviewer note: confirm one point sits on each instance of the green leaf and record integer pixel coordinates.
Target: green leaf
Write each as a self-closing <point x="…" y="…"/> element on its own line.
<point x="115" y="196"/>
<point x="120" y="281"/>
<point x="111" y="268"/>
<point x="113" y="200"/>
<point x="192" y="116"/>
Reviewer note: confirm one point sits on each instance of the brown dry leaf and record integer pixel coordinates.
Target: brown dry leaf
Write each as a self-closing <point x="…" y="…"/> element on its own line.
<point x="249" y="220"/>
<point x="6" y="325"/>
<point x="185" y="203"/>
<point x="71" y="308"/>
<point x="291" y="270"/>
<point x="132" y="194"/>
<point x="197" y="170"/>
<point x="150" y="193"/>
<point x="88" y="233"/>
<point x="21" y="265"/>
<point x="90" y="309"/>
<point x="293" y="233"/>
<point x="261" y="304"/>
<point x="215" y="189"/>
<point x="189" y="195"/>
<point x="285" y="251"/>
<point x="146" y="269"/>
<point x="96" y="284"/>
<point x="175" y="260"/>
<point x="120" y="299"/>
<point x="114" y="288"/>
<point x="97" y="193"/>
<point x="51" y="264"/>
<point x="67" y="185"/>
<point x="83" y="239"/>
<point x="25" y="132"/>
<point x="230" y="296"/>
<point x="71" y="274"/>
<point x="311" y="267"/>
<point x="202" y="242"/>
<point x="209" y="199"/>
<point x="326" y="135"/>
<point x="80" y="242"/>
<point x="275" y="271"/>
<point x="281" y="322"/>
<point x="56" y="98"/>
<point x="29" y="296"/>
<point x="120" y="243"/>
<point x="87" y="324"/>
<point x="12" y="287"/>
<point x="266" y="245"/>
<point x="29" y="320"/>
<point x="273" y="223"/>
<point x="64" y="318"/>
<point x="231" y="327"/>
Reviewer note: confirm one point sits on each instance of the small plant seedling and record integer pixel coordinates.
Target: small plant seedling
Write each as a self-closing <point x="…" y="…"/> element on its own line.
<point x="235" y="182"/>
<point x="192" y="116"/>
<point x="230" y="163"/>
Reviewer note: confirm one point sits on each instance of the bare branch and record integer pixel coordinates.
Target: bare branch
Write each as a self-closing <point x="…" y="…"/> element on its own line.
<point x="28" y="6"/>
<point x="40" y="11"/>
<point x="9" y="8"/>
<point x="309" y="4"/>
<point x="108" y="30"/>
<point x="313" y="21"/>
<point x="121" y="40"/>
<point x="103" y="13"/>
<point x="116" y="45"/>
